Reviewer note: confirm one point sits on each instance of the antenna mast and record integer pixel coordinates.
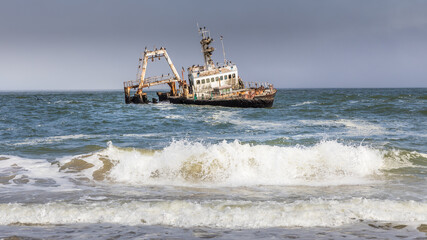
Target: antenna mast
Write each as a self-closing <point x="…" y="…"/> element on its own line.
<point x="206" y="49"/>
<point x="223" y="51"/>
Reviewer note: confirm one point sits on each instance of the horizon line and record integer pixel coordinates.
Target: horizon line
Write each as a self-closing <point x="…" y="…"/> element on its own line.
<point x="98" y="90"/>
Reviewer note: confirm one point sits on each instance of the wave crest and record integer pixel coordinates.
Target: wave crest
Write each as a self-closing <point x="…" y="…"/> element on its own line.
<point x="186" y="163"/>
<point x="237" y="164"/>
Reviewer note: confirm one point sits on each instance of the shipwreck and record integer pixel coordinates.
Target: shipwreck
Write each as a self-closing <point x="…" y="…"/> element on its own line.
<point x="209" y="84"/>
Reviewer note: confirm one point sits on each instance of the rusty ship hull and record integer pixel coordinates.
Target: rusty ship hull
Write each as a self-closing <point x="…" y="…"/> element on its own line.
<point x="264" y="101"/>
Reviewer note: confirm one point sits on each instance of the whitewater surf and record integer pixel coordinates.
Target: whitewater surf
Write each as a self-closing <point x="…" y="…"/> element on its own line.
<point x="338" y="163"/>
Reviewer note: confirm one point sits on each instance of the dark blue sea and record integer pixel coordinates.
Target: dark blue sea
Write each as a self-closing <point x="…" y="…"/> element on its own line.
<point x="320" y="164"/>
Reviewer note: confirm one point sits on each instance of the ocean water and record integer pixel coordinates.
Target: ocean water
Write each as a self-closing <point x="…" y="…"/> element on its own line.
<point x="320" y="164"/>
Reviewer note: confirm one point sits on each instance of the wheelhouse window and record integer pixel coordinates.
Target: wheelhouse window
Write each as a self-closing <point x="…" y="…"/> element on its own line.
<point x="221" y="78"/>
<point x="212" y="80"/>
<point x="207" y="80"/>
<point x="229" y="76"/>
<point x="234" y="75"/>
<point x="198" y="82"/>
<point x="217" y="79"/>
<point x="203" y="81"/>
<point x="225" y="77"/>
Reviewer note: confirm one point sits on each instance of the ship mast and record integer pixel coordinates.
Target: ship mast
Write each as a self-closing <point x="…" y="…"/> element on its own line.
<point x="206" y="49"/>
<point x="223" y="51"/>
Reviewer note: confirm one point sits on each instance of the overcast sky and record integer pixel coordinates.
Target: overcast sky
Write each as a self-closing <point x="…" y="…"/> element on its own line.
<point x="47" y="45"/>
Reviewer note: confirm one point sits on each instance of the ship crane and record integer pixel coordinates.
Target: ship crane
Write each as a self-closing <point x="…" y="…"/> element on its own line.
<point x="143" y="82"/>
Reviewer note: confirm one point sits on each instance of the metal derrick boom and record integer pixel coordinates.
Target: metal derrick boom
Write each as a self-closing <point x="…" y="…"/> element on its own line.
<point x="144" y="82"/>
<point x="153" y="55"/>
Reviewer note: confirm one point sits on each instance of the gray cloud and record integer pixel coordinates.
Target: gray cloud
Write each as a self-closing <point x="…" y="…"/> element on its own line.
<point x="95" y="44"/>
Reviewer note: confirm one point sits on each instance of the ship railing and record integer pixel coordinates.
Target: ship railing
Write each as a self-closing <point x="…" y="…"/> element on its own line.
<point x="149" y="80"/>
<point x="159" y="78"/>
<point x="223" y="65"/>
<point x="256" y="84"/>
<point x="131" y="83"/>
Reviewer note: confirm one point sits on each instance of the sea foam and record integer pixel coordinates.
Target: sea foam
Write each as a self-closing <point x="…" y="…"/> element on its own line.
<point x="237" y="164"/>
<point x="218" y="213"/>
<point x="190" y="163"/>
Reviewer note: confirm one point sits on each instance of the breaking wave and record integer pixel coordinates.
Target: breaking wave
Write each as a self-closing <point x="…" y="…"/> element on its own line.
<point x="355" y="127"/>
<point x="186" y="163"/>
<point x="237" y="164"/>
<point x="303" y="103"/>
<point x="218" y="213"/>
<point x="54" y="139"/>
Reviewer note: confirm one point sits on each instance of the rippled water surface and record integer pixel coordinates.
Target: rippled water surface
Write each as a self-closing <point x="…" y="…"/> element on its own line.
<point x="322" y="163"/>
